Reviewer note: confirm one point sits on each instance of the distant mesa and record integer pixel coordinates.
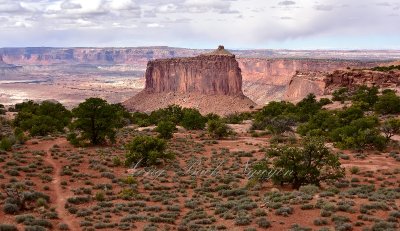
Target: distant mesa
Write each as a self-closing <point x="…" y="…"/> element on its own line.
<point x="210" y="82"/>
<point x="6" y="68"/>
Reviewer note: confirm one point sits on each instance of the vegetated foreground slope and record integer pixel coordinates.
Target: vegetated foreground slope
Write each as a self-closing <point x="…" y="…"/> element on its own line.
<point x="205" y="188"/>
<point x="199" y="177"/>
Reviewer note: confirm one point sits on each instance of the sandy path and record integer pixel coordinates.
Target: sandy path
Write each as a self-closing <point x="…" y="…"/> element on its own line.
<point x="60" y="194"/>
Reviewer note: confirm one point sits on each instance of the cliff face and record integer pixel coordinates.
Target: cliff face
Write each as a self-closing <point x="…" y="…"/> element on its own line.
<point x="265" y="80"/>
<point x="94" y="56"/>
<point x="7" y="68"/>
<point x="211" y="83"/>
<point x="205" y="74"/>
<point x="303" y="84"/>
<point x="354" y="78"/>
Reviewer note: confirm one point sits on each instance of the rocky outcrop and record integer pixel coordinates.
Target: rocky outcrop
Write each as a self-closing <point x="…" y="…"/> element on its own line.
<point x="204" y="74"/>
<point x="265" y="80"/>
<point x="303" y="84"/>
<point x="7" y="68"/>
<point x="354" y="78"/>
<point x="211" y="82"/>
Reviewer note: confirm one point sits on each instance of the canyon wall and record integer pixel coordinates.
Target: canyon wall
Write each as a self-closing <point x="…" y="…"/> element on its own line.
<point x="353" y="78"/>
<point x="140" y="55"/>
<point x="204" y="74"/>
<point x="265" y="80"/>
<point x="94" y="56"/>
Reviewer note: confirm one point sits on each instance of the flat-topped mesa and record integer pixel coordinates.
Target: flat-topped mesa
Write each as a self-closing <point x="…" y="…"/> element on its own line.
<point x="215" y="73"/>
<point x="210" y="82"/>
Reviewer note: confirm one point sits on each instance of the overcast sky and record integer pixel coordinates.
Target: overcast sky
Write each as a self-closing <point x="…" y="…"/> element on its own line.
<point x="238" y="24"/>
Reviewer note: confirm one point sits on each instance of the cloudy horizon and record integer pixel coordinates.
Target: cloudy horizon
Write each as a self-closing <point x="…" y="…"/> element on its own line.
<point x="238" y="24"/>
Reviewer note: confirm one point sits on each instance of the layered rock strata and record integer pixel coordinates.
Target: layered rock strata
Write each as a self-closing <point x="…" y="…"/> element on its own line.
<point x="211" y="82"/>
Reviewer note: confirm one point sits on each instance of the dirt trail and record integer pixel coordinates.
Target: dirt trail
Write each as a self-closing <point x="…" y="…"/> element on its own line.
<point x="60" y="194"/>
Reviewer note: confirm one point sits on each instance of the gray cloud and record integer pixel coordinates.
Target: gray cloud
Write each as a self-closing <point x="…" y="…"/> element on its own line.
<point x="70" y="5"/>
<point x="287" y="3"/>
<point x="11" y="7"/>
<point x="323" y="7"/>
<point x="197" y="23"/>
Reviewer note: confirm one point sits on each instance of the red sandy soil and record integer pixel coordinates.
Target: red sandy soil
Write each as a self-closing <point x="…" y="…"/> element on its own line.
<point x="189" y="145"/>
<point x="60" y="195"/>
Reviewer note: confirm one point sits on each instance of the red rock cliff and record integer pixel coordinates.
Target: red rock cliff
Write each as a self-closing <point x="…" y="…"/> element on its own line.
<point x="354" y="78"/>
<point x="204" y="74"/>
<point x="210" y="82"/>
<point x="265" y="80"/>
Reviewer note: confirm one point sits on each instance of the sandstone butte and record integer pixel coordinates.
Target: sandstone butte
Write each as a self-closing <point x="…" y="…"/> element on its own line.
<point x="210" y="82"/>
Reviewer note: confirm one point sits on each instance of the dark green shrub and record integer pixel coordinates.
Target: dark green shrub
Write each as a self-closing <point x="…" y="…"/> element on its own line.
<point x="192" y="119"/>
<point x="6" y="144"/>
<point x="310" y="164"/>
<point x="320" y="221"/>
<point x="262" y="222"/>
<point x="218" y="129"/>
<point x="42" y="119"/>
<point x="9" y="208"/>
<point x="7" y="227"/>
<point x="166" y="129"/>
<point x="341" y="95"/>
<point x="388" y="103"/>
<point x="147" y="150"/>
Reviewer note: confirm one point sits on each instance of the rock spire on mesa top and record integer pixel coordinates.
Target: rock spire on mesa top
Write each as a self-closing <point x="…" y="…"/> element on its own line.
<point x="220" y="51"/>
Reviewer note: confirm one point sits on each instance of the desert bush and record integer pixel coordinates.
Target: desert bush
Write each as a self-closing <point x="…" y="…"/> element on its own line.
<point x="365" y="95"/>
<point x="6" y="144"/>
<point x="165" y="129"/>
<point x="354" y="170"/>
<point x="9" y="208"/>
<point x="35" y="228"/>
<point x="63" y="226"/>
<point x="384" y="226"/>
<point x="192" y="119"/>
<point x="237" y="118"/>
<point x="341" y="94"/>
<point x="242" y="219"/>
<point x="218" y="129"/>
<point x="307" y="206"/>
<point x="262" y="222"/>
<point x="100" y="196"/>
<point x="359" y="134"/>
<point x="172" y="113"/>
<point x="78" y="200"/>
<point x="7" y="227"/>
<point x="390" y="128"/>
<point x="309" y="189"/>
<point x="284" y="211"/>
<point x="24" y="218"/>
<point x="320" y="221"/>
<point x="147" y="150"/>
<point x="42" y="119"/>
<point x="297" y="227"/>
<point x="304" y="165"/>
<point x="388" y="103"/>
